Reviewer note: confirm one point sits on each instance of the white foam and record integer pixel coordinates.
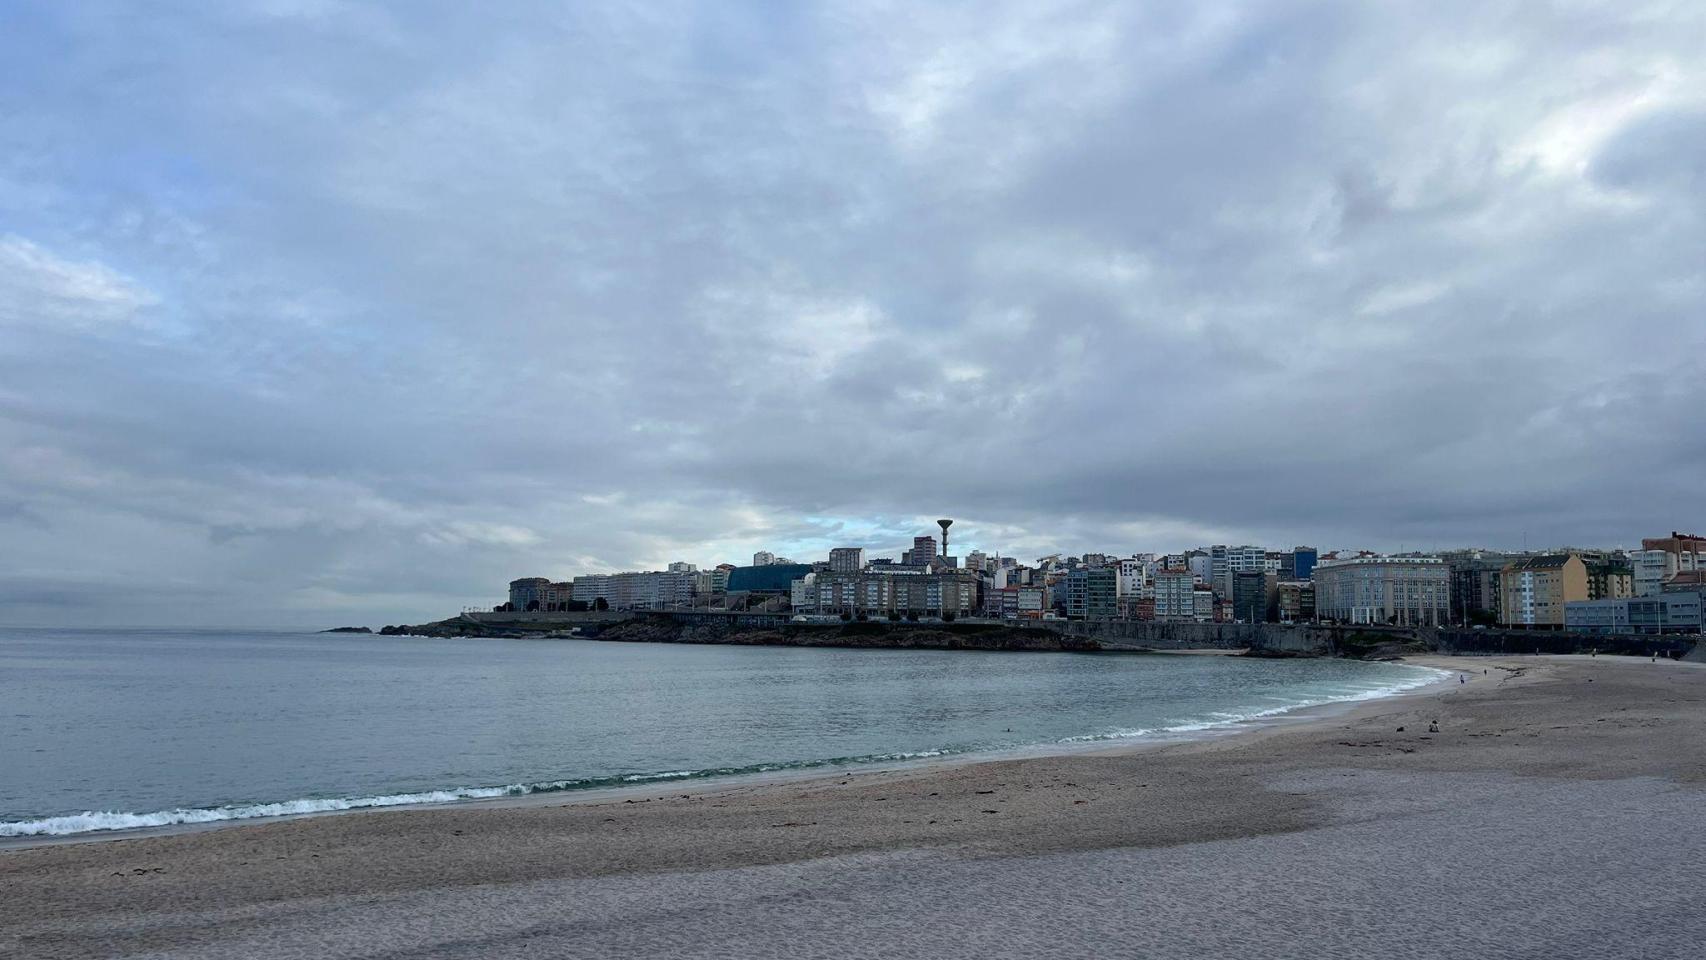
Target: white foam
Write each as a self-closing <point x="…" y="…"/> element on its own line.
<point x="91" y="821"/>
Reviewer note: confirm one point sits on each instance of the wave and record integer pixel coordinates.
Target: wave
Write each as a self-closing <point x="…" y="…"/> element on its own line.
<point x="91" y="821"/>
<point x="1223" y="719"/>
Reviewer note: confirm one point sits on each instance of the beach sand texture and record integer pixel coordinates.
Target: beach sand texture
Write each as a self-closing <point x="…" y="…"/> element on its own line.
<point x="1553" y="815"/>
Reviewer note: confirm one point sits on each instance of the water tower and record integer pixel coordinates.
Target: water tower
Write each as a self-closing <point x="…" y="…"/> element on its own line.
<point x="944" y="524"/>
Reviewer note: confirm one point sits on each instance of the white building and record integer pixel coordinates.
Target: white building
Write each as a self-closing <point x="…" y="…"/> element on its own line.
<point x="763" y="558"/>
<point x="1134" y="575"/>
<point x="1405" y="590"/>
<point x="652" y="590"/>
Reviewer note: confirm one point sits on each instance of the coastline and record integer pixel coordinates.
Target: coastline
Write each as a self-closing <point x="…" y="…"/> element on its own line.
<point x="645" y="789"/>
<point x="1540" y="766"/>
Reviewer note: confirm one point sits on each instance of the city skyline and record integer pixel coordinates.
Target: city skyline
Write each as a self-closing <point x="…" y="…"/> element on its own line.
<point x="595" y="289"/>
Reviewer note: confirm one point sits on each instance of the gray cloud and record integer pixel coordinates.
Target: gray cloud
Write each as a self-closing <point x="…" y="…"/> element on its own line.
<point x="314" y="311"/>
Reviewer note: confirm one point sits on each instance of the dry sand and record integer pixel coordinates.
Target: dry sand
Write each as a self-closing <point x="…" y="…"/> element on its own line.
<point x="1555" y="814"/>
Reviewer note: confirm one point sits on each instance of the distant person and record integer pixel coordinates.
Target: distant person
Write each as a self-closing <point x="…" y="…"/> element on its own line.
<point x="1462" y="678"/>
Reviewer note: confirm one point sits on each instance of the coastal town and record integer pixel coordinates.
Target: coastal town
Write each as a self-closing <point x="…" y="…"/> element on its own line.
<point x="1657" y="589"/>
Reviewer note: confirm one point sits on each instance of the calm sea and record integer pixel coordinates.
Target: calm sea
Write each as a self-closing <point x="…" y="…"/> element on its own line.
<point x="105" y="730"/>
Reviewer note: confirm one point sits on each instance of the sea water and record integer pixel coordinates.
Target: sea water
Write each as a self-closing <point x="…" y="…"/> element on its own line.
<point x="117" y="729"/>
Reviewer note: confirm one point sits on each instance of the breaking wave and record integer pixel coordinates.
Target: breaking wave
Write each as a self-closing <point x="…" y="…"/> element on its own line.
<point x="91" y="821"/>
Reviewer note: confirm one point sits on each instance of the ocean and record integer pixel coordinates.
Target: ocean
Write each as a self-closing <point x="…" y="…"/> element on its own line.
<point x="116" y="729"/>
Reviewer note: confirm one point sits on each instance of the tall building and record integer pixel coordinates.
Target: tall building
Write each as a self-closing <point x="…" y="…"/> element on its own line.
<point x="1092" y="593"/>
<point x="846" y="559"/>
<point x="1224" y="561"/>
<point x="681" y="566"/>
<point x="1175" y="597"/>
<point x="763" y="558"/>
<point x="1303" y="561"/>
<point x="1250" y="595"/>
<point x="1534" y="590"/>
<point x="1404" y="590"/>
<point x="923" y="549"/>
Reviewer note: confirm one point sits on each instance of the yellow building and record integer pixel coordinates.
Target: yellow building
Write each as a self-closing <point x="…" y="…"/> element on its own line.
<point x="1533" y="591"/>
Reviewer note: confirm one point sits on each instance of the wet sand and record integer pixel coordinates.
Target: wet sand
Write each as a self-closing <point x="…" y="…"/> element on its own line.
<point x="1553" y="815"/>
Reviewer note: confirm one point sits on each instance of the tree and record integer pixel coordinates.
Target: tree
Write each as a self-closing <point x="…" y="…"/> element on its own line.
<point x="948" y="616"/>
<point x="532" y="605"/>
<point x="601" y="604"/>
<point x="846" y="617"/>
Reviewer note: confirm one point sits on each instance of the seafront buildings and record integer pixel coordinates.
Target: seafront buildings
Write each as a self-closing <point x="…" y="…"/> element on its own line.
<point x="1655" y="589"/>
<point x="1404" y="590"/>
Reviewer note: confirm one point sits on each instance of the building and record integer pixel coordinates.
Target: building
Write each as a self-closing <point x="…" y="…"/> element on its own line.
<point x="766" y="578"/>
<point x="1475" y="578"/>
<point x="1134" y="575"/>
<point x="763" y="558"/>
<point x="1224" y="561"/>
<point x="923" y="551"/>
<point x="880" y="594"/>
<point x="1661" y="558"/>
<point x="1662" y="613"/>
<point x="1019" y="603"/>
<point x="528" y="593"/>
<point x="1609" y="577"/>
<point x="1174" y="595"/>
<point x="1295" y="601"/>
<point x="681" y="566"/>
<point x="644" y="590"/>
<point x="1092" y="593"/>
<point x="1250" y="596"/>
<point x="1534" y="590"/>
<point x="846" y="559"/>
<point x="1204" y="608"/>
<point x="1303" y="561"/>
<point x="1376" y="589"/>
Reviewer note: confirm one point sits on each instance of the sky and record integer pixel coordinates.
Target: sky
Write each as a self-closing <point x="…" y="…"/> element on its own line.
<point x="315" y="312"/>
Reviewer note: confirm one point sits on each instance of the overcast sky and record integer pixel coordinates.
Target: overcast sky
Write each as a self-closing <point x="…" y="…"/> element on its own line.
<point x="317" y="312"/>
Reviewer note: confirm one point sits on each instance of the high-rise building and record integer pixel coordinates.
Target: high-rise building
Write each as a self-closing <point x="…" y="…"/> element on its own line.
<point x="681" y="566"/>
<point x="1374" y="589"/>
<point x="1175" y="600"/>
<point x="1092" y="593"/>
<point x="763" y="558"/>
<point x="923" y="551"/>
<point x="846" y="559"/>
<point x="1250" y="595"/>
<point x="1303" y="561"/>
<point x="1224" y="561"/>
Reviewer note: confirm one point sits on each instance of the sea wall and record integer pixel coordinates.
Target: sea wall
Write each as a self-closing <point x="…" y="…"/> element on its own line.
<point x="758" y="631"/>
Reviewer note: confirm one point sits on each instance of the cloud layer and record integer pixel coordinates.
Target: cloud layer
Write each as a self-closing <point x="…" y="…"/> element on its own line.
<point x="318" y="311"/>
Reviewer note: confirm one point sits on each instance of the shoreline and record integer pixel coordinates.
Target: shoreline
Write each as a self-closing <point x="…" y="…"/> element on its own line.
<point x="1190" y="848"/>
<point x="718" y="783"/>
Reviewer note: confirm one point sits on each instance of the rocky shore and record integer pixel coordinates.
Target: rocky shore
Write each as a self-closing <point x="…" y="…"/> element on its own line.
<point x="931" y="636"/>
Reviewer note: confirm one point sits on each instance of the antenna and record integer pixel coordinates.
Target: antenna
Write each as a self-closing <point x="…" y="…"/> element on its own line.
<point x="944" y="524"/>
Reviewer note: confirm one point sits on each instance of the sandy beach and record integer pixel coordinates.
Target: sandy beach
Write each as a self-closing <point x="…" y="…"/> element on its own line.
<point x="1552" y="815"/>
